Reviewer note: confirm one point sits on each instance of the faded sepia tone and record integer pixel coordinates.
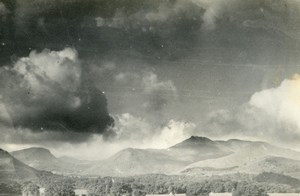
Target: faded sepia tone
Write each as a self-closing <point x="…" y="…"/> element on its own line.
<point x="149" y="97"/>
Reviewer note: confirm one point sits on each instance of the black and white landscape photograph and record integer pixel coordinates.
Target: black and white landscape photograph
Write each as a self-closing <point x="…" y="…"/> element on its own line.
<point x="149" y="97"/>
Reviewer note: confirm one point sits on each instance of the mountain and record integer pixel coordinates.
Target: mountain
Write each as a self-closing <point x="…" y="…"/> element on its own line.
<point x="197" y="148"/>
<point x="195" y="142"/>
<point x="43" y="159"/>
<point x="136" y="161"/>
<point x="249" y="157"/>
<point x="201" y="155"/>
<point x="167" y="161"/>
<point x="195" y="155"/>
<point x="34" y="155"/>
<point x="13" y="169"/>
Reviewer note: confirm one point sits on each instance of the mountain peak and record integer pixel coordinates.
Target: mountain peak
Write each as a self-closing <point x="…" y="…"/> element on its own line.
<point x="194" y="141"/>
<point x="198" y="138"/>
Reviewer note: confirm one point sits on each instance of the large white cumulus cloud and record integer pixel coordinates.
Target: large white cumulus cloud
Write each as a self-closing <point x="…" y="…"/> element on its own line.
<point x="271" y="114"/>
<point x="173" y="133"/>
<point x="42" y="71"/>
<point x="281" y="103"/>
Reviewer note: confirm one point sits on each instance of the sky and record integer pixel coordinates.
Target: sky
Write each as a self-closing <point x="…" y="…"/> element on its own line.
<point x="89" y="78"/>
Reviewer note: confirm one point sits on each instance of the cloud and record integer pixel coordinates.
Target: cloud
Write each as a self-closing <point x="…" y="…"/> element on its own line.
<point x="3" y="10"/>
<point x="173" y="133"/>
<point x="147" y="32"/>
<point x="134" y="129"/>
<point x="153" y="29"/>
<point x="146" y="16"/>
<point x="130" y="132"/>
<point x="143" y="16"/>
<point x="158" y="92"/>
<point x="278" y="16"/>
<point x="213" y="11"/>
<point x="140" y="132"/>
<point x="49" y="91"/>
<point x="271" y="114"/>
<point x="145" y="100"/>
<point x="104" y="26"/>
<point x="281" y="103"/>
<point x="155" y="93"/>
<point x="50" y="97"/>
<point x="154" y="15"/>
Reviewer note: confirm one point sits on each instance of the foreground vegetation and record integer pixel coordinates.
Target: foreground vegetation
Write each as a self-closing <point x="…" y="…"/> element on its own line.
<point x="239" y="184"/>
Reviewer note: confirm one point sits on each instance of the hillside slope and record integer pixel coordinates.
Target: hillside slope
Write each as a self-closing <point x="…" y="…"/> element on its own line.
<point x="136" y="161"/>
<point x="13" y="169"/>
<point x="255" y="157"/>
<point x="273" y="164"/>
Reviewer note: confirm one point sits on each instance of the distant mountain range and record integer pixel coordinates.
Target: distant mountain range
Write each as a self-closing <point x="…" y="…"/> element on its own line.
<point x="195" y="155"/>
<point x="168" y="161"/>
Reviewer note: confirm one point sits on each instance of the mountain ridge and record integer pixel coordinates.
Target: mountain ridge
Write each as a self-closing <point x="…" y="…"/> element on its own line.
<point x="255" y="158"/>
<point x="193" y="155"/>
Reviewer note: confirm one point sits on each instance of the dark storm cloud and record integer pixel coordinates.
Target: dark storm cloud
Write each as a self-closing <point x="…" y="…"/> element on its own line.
<point x="3" y="10"/>
<point x="49" y="91"/>
<point x="155" y="29"/>
<point x="262" y="32"/>
<point x="151" y="28"/>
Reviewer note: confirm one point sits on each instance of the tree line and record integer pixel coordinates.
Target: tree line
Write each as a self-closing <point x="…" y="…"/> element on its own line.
<point x="239" y="185"/>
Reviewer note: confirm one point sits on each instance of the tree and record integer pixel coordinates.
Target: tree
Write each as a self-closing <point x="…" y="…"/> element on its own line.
<point x="248" y="189"/>
<point x="11" y="187"/>
<point x="60" y="188"/>
<point x="30" y="189"/>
